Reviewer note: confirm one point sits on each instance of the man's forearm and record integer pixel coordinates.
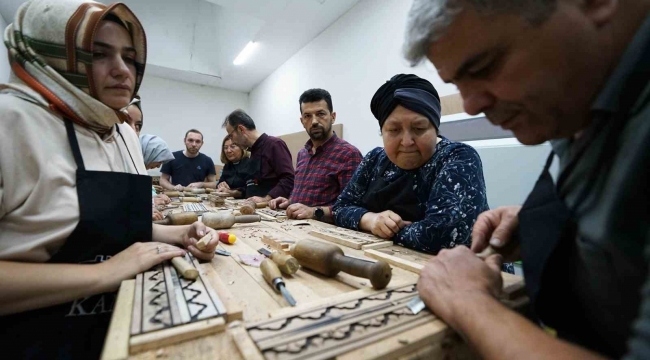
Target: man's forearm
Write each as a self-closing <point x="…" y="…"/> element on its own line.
<point x="166" y="184"/>
<point x="210" y="184"/>
<point x="497" y="332"/>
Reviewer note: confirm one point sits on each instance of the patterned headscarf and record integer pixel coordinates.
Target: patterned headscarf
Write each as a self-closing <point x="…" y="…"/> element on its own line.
<point x="50" y="47"/>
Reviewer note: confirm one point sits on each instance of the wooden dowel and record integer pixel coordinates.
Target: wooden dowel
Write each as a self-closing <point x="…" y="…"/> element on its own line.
<point x="185" y="268"/>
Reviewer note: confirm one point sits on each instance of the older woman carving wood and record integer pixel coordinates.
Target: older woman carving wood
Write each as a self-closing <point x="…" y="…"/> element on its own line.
<point x="421" y="190"/>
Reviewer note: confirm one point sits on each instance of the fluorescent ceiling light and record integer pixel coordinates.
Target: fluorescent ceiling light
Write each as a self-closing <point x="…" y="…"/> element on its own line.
<point x="244" y="54"/>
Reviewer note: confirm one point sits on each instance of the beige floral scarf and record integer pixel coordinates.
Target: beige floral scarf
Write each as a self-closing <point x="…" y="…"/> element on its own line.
<point x="50" y="47"/>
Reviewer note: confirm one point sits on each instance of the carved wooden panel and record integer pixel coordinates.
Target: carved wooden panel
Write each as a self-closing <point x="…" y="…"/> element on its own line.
<point x="350" y="238"/>
<point x="163" y="299"/>
<point x="278" y="214"/>
<point x="253" y="235"/>
<point x="329" y="330"/>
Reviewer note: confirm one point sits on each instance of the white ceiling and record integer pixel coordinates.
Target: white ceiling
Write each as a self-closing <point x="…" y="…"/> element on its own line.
<point x="197" y="40"/>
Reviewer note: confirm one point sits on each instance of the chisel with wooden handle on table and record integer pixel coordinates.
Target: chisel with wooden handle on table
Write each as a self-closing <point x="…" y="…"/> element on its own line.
<point x="286" y="263"/>
<point x="272" y="275"/>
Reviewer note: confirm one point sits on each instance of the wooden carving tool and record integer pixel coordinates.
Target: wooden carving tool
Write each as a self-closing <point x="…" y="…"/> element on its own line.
<point x="203" y="243"/>
<point x="195" y="190"/>
<point x="261" y="205"/>
<point x="247" y="208"/>
<point x="277" y="244"/>
<point x="488" y="251"/>
<point x="506" y="251"/>
<point x="329" y="259"/>
<point x="185" y="268"/>
<point x="416" y="304"/>
<point x="216" y="200"/>
<point x="272" y="275"/>
<point x="189" y="199"/>
<point x="286" y="263"/>
<point x="172" y="193"/>
<point x="225" y="220"/>
<point x="222" y="252"/>
<point x="184" y="218"/>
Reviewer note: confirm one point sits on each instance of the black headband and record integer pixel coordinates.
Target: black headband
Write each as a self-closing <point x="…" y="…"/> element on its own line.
<point x="410" y="91"/>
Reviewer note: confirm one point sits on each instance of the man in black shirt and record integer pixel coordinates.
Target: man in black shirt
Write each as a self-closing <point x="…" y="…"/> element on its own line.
<point x="190" y="167"/>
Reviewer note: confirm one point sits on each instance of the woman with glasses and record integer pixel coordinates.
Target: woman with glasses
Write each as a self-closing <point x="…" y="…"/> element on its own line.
<point x="236" y="170"/>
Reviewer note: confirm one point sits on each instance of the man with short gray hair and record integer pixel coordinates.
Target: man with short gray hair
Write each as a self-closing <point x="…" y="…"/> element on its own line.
<point x="575" y="73"/>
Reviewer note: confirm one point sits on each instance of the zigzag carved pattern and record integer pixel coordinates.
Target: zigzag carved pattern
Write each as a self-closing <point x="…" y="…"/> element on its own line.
<point x="157" y="318"/>
<point x="196" y="293"/>
<point x="299" y="346"/>
<point x="379" y="297"/>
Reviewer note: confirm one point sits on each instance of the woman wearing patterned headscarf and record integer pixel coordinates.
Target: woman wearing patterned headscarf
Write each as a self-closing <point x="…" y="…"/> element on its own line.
<point x="421" y="190"/>
<point x="74" y="195"/>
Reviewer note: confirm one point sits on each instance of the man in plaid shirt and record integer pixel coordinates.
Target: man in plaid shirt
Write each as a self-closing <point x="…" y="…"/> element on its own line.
<point x="325" y="165"/>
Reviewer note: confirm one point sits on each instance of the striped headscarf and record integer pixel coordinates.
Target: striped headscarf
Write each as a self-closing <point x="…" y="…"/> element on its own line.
<point x="50" y="47"/>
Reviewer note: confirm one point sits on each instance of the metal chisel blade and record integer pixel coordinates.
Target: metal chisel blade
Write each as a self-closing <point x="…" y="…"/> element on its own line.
<point x="416" y="305"/>
<point x="287" y="295"/>
<point x="222" y="252"/>
<point x="264" y="252"/>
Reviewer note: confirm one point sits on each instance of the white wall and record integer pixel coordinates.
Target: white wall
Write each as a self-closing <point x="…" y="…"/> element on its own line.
<point x="171" y="108"/>
<point x="350" y="59"/>
<point x="511" y="171"/>
<point x="4" y="62"/>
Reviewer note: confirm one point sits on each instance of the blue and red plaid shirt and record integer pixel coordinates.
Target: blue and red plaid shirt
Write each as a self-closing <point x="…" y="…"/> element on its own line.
<point x="321" y="177"/>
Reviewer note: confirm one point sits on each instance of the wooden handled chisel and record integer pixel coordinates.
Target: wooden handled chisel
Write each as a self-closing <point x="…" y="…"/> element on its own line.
<point x="272" y="275"/>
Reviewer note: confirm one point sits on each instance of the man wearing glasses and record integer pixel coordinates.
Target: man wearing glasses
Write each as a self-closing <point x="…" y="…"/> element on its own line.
<point x="270" y="163"/>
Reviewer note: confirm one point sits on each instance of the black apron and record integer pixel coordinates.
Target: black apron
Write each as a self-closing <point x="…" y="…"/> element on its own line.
<point x="236" y="175"/>
<point x="114" y="213"/>
<point x="397" y="196"/>
<point x="255" y="185"/>
<point x="548" y="232"/>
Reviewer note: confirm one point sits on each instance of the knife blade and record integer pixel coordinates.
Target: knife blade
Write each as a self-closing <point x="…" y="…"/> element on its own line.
<point x="416" y="305"/>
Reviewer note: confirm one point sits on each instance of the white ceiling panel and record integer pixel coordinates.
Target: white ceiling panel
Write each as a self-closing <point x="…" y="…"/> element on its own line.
<point x="197" y="40"/>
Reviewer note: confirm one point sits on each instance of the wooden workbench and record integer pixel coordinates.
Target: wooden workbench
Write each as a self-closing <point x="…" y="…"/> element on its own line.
<point x="254" y="296"/>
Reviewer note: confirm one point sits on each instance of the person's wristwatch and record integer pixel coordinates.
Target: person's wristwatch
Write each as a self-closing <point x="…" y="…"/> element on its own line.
<point x="319" y="213"/>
